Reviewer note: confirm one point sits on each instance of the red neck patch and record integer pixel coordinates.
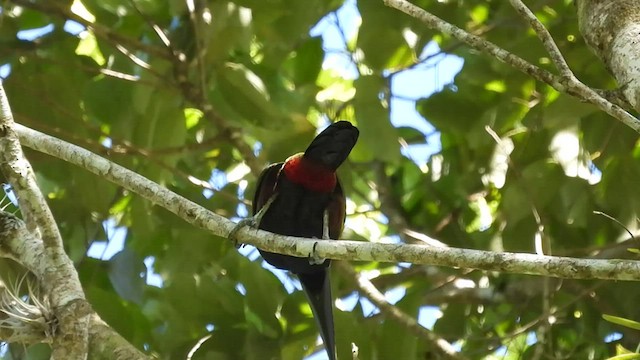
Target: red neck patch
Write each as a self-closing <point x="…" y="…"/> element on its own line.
<point x="310" y="175"/>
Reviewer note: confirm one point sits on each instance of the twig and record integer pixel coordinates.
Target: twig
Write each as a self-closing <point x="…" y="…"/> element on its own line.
<point x="159" y="33"/>
<point x="521" y="263"/>
<point x="544" y="36"/>
<point x="372" y="293"/>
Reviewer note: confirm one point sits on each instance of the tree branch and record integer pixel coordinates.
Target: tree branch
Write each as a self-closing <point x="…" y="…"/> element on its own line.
<point x="569" y="85"/>
<point x="55" y="270"/>
<point x="561" y="267"/>
<point x="610" y="28"/>
<point x="544" y="36"/>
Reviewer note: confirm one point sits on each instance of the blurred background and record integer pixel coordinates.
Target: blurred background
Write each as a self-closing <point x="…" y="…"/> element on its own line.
<point x="200" y="95"/>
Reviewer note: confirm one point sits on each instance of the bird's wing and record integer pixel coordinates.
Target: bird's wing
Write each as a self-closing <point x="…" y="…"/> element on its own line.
<point x="266" y="186"/>
<point x="337" y="212"/>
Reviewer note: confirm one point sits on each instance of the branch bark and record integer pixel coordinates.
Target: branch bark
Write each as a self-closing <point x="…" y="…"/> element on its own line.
<point x="544" y="36"/>
<point x="611" y="29"/>
<point x="553" y="266"/>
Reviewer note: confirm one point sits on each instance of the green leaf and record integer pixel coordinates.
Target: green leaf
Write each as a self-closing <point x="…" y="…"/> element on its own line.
<point x="565" y="111"/>
<point x="264" y="295"/>
<point x="378" y="138"/>
<point x="231" y="32"/>
<point x="410" y="135"/>
<point x="634" y="356"/>
<point x="38" y="352"/>
<point x="127" y="273"/>
<point x="108" y="101"/>
<point x="539" y="180"/>
<point x="308" y="61"/>
<point x="396" y="342"/>
<point x="628" y="323"/>
<point x="112" y="309"/>
<point x="245" y="92"/>
<point x="449" y="112"/>
<point x="383" y="46"/>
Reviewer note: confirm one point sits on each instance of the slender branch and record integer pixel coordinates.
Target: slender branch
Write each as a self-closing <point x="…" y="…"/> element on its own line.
<point x="561" y="267"/>
<point x="569" y="85"/>
<point x="159" y="32"/>
<point x="56" y="271"/>
<point x="372" y="293"/>
<point x="544" y="36"/>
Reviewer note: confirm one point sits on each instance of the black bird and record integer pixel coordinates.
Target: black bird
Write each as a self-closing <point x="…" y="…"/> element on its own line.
<point x="303" y="197"/>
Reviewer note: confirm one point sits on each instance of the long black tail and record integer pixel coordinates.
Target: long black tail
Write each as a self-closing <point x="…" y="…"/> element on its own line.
<point x="318" y="290"/>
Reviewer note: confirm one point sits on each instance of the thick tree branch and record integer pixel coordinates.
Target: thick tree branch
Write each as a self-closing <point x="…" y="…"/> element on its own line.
<point x="610" y="28"/>
<point x="562" y="267"/>
<point x="569" y="85"/>
<point x="56" y="272"/>
<point x="372" y="293"/>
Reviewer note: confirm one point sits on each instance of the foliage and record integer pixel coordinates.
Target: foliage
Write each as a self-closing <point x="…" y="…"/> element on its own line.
<point x="518" y="163"/>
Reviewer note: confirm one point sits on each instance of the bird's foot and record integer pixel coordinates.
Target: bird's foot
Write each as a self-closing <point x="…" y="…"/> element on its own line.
<point x="325" y="225"/>
<point x="253" y="222"/>
<point x="314" y="259"/>
<point x="250" y="222"/>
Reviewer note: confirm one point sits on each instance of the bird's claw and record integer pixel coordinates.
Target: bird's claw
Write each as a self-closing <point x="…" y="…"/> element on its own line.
<point x="325" y="225"/>
<point x="314" y="259"/>
<point x="251" y="222"/>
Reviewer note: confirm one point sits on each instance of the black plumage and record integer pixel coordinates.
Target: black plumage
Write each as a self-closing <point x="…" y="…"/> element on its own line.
<point x="301" y="190"/>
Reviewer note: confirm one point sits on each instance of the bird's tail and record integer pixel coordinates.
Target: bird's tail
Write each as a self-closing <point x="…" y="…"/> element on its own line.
<point x="318" y="289"/>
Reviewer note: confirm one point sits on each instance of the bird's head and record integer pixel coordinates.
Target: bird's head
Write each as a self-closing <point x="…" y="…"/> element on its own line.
<point x="332" y="146"/>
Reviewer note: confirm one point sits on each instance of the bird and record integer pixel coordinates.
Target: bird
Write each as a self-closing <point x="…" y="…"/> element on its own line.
<point x="302" y="197"/>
